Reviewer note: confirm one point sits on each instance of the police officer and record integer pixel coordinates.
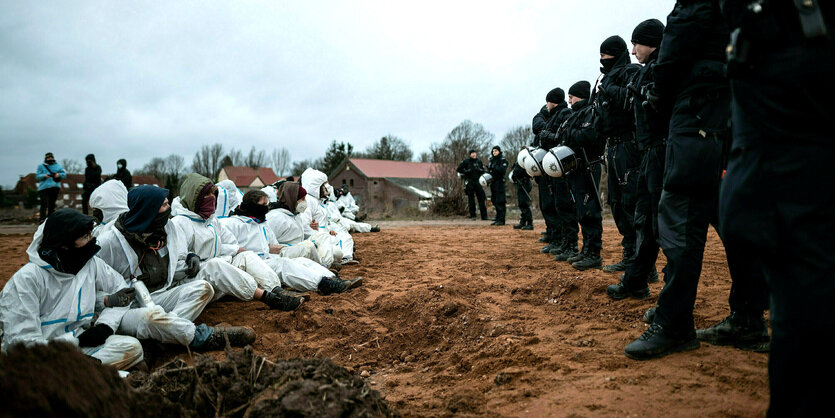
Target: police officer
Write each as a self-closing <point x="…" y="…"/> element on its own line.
<point x="776" y="200"/>
<point x="616" y="124"/>
<point x="522" y="180"/>
<point x="472" y="169"/>
<point x="497" y="166"/>
<point x="578" y="133"/>
<point x="651" y="135"/>
<point x="555" y="201"/>
<point x="689" y="79"/>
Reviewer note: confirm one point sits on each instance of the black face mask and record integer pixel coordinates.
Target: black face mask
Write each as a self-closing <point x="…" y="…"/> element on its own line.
<point x="607" y="64"/>
<point x="159" y="221"/>
<point x="99" y="215"/>
<point x="49" y="162"/>
<point x="254" y="210"/>
<point x="71" y="260"/>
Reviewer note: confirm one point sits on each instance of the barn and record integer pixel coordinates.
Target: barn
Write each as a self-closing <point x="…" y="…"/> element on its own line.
<point x="385" y="185"/>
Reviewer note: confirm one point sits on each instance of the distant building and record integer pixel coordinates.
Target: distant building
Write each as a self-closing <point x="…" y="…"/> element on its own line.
<point x="248" y="178"/>
<point x="382" y="185"/>
<point x="72" y="187"/>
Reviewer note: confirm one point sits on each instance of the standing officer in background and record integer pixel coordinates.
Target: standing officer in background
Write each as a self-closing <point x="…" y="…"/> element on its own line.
<point x="498" y="168"/>
<point x="690" y="80"/>
<point x="776" y="200"/>
<point x="92" y="179"/>
<point x="123" y="174"/>
<point x="616" y="124"/>
<point x="651" y="135"/>
<point x="522" y="180"/>
<point x="553" y="192"/>
<point x="472" y="169"/>
<point x="578" y="133"/>
<point x="49" y="176"/>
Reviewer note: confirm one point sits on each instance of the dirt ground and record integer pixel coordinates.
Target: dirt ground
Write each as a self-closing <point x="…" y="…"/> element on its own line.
<point x="463" y="318"/>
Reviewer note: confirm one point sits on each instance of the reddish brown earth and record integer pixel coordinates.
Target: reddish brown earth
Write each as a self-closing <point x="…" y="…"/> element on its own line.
<point x="472" y="319"/>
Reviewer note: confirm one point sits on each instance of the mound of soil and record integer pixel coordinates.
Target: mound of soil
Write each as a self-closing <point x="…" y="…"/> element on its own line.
<point x="245" y="384"/>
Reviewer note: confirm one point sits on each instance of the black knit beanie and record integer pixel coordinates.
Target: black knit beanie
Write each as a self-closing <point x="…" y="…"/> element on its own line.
<point x="613" y="45"/>
<point x="556" y="95"/>
<point x="649" y="33"/>
<point x="581" y="89"/>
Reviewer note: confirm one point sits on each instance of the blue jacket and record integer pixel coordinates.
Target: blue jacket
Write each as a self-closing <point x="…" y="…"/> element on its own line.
<point x="45" y="181"/>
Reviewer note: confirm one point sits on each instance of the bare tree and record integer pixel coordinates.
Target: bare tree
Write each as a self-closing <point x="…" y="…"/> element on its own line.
<point x="514" y="140"/>
<point x="174" y="164"/>
<point x="256" y="158"/>
<point x="154" y="168"/>
<point x="299" y="166"/>
<point x="72" y="166"/>
<point x="234" y="157"/>
<point x="425" y="157"/>
<point x="207" y="161"/>
<point x="389" y="147"/>
<point x="280" y="159"/>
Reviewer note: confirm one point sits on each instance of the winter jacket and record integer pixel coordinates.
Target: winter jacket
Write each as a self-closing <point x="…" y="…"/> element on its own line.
<point x="44" y="173"/>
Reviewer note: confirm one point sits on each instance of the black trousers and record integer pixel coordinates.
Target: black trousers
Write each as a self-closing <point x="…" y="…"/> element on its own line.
<point x="85" y="201"/>
<point x="548" y="207"/>
<point x="498" y="197"/>
<point x="777" y="203"/>
<point x="589" y="212"/>
<point x="566" y="211"/>
<point x="648" y="194"/>
<point x="474" y="192"/>
<point x="624" y="160"/>
<point x="48" y="198"/>
<point x="523" y="200"/>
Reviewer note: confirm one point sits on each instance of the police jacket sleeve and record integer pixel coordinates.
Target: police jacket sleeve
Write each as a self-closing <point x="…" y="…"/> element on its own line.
<point x="540" y="120"/>
<point x="463" y="168"/>
<point x="682" y="42"/>
<point x="108" y="282"/>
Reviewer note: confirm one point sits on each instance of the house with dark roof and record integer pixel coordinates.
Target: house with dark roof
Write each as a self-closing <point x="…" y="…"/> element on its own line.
<point x="383" y="185"/>
<point x="248" y="178"/>
<point x="72" y="187"/>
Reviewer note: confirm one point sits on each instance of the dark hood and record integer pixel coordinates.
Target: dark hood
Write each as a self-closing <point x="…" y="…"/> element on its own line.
<point x="143" y="206"/>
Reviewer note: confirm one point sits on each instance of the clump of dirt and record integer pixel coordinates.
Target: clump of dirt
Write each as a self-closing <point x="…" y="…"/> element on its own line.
<point x="58" y="380"/>
<point x="245" y="384"/>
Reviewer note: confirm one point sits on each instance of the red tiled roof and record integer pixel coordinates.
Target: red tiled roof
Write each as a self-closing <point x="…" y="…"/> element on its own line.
<point x="244" y="176"/>
<point x="74" y="182"/>
<point x="394" y="169"/>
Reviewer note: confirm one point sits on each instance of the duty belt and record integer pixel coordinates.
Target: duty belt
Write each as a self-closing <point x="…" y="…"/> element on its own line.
<point x="618" y="139"/>
<point x="654" y="144"/>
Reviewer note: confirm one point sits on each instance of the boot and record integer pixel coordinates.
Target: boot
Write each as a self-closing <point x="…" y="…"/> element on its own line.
<point x="528" y="226"/>
<point x="559" y="248"/>
<point x="746" y="332"/>
<point x="331" y="285"/>
<point x="590" y="261"/>
<point x="282" y="301"/>
<point x="581" y="255"/>
<point x="657" y="342"/>
<point x="292" y="293"/>
<point x="619" y="291"/>
<point x="238" y="337"/>
<point x="569" y="251"/>
<point x="547" y="249"/>
<point x="375" y="228"/>
<point x="620" y="265"/>
<point x="520" y="224"/>
<point x="652" y="278"/>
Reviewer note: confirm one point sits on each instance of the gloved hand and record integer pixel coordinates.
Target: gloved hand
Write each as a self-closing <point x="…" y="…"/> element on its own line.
<point x="94" y="336"/>
<point x="653" y="100"/>
<point x="192" y="265"/>
<point x="633" y="89"/>
<point x="121" y="298"/>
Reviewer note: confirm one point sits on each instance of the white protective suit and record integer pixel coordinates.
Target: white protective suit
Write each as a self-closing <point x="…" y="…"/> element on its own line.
<point x="288" y="230"/>
<point x="228" y="271"/>
<point x="179" y="302"/>
<point x="312" y="181"/>
<point x="335" y="216"/>
<point x="298" y="273"/>
<point x="228" y="198"/>
<point x="39" y="304"/>
<point x="112" y="199"/>
<point x="350" y="204"/>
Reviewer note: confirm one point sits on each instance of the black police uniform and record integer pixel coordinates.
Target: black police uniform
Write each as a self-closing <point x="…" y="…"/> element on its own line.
<point x="566" y="213"/>
<point x="523" y="195"/>
<point x="651" y="129"/>
<point x="472" y="169"/>
<point x="497" y="167"/>
<point x="776" y="200"/>
<point x="616" y="124"/>
<point x="578" y="133"/>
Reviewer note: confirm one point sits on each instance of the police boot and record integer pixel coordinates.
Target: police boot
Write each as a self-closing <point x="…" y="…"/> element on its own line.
<point x="580" y="255"/>
<point x="620" y="291"/>
<point x="520" y="224"/>
<point x="590" y="261"/>
<point x="651" y="278"/>
<point x="746" y="332"/>
<point x="283" y="301"/>
<point x="560" y="246"/>
<point x="620" y="265"/>
<point x="658" y="342"/>
<point x="237" y="336"/>
<point x="528" y="226"/>
<point x="551" y="246"/>
<point x="569" y="250"/>
<point x="331" y="285"/>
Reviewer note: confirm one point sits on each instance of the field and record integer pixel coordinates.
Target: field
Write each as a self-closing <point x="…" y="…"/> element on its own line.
<point x="467" y="319"/>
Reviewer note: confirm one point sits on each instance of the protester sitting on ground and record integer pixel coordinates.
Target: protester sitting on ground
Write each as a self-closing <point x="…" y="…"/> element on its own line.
<point x="53" y="297"/>
<point x="145" y="248"/>
<point x="248" y="224"/>
<point x="107" y="202"/>
<point x="315" y="217"/>
<point x="351" y="208"/>
<point x="335" y="214"/>
<point x="228" y="198"/>
<point x="49" y="176"/>
<point x="230" y="269"/>
<point x="287" y="228"/>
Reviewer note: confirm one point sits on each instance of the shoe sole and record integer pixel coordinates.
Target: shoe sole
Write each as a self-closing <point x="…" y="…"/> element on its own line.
<point x="759" y="345"/>
<point x="687" y="346"/>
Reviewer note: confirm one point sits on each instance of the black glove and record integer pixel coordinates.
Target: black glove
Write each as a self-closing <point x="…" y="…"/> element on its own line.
<point x="95" y="336"/>
<point x="192" y="265"/>
<point x="633" y="89"/>
<point x="121" y="298"/>
<point x="652" y="99"/>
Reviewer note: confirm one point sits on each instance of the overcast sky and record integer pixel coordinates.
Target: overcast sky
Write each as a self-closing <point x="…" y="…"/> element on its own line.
<point x="142" y="79"/>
